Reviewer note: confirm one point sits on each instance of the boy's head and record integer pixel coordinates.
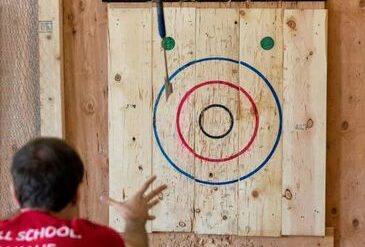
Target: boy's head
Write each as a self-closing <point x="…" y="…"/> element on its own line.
<point x="46" y="174"/>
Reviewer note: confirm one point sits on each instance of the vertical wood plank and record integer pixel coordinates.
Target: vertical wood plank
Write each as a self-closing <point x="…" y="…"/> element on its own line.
<point x="346" y="125"/>
<point x="217" y="34"/>
<point x="175" y="211"/>
<point x="130" y="103"/>
<point x="86" y="93"/>
<point x="51" y="67"/>
<point x="304" y="140"/>
<point x="260" y="195"/>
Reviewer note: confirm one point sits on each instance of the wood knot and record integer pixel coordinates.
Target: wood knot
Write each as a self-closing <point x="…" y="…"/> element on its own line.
<point x="311" y="53"/>
<point x="215" y="188"/>
<point x="224" y="217"/>
<point x="49" y="37"/>
<point x="133" y="139"/>
<point x="310" y="123"/>
<point x="355" y="223"/>
<point x="140" y="168"/>
<point x="334" y="211"/>
<point x="81" y="6"/>
<point x="211" y="175"/>
<point x="197" y="210"/>
<point x="362" y="4"/>
<point x="117" y="77"/>
<point x="242" y="13"/>
<point x="89" y="106"/>
<point x="288" y="195"/>
<point x="345" y="125"/>
<point x="255" y="193"/>
<point x="14" y="148"/>
<point x="236" y="22"/>
<point x="182" y="224"/>
<point x="292" y="24"/>
<point x="70" y="17"/>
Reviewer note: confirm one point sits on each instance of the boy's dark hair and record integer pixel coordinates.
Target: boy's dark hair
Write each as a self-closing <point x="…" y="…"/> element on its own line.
<point x="46" y="174"/>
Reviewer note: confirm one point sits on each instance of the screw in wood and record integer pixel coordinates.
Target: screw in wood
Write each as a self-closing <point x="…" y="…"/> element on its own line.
<point x="117" y="77"/>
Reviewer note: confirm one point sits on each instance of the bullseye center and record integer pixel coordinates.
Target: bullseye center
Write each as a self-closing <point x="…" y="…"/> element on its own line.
<point x="216" y="121"/>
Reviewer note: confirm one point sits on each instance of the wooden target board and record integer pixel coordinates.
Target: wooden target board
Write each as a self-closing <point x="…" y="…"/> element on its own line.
<point x="241" y="141"/>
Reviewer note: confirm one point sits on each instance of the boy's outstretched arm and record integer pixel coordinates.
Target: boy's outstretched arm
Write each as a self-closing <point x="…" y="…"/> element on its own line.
<point x="135" y="213"/>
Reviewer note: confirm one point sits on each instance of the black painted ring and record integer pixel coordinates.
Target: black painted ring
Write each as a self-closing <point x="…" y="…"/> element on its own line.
<point x="230" y="116"/>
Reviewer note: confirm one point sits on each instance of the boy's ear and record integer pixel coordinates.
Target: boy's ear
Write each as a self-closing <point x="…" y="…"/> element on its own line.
<point x="77" y="197"/>
<point x="13" y="196"/>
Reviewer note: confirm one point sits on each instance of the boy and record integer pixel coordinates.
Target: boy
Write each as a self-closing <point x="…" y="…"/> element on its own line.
<point x="47" y="174"/>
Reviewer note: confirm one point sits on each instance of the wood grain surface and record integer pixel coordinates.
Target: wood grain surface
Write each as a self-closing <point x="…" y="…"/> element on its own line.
<point x="85" y="45"/>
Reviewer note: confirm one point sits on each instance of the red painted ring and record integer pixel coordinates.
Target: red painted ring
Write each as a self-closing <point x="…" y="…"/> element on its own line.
<point x="238" y="88"/>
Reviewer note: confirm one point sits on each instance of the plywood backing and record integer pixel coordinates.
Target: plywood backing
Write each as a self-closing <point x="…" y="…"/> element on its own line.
<point x="208" y="203"/>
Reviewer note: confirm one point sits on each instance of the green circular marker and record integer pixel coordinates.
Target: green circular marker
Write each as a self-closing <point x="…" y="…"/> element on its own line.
<point x="168" y="43"/>
<point x="267" y="43"/>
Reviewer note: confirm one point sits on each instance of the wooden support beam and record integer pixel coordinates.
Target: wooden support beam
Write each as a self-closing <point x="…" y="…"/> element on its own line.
<point x="86" y="98"/>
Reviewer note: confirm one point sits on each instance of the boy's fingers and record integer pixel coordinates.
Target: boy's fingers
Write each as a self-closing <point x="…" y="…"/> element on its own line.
<point x="146" y="185"/>
<point x="153" y="203"/>
<point x="151" y="217"/>
<point x="155" y="192"/>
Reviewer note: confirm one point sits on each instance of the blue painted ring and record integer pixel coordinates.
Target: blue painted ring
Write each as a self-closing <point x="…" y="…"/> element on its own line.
<point x="245" y="176"/>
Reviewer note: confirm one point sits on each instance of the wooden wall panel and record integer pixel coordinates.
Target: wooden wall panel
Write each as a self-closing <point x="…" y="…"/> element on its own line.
<point x="304" y="109"/>
<point x="86" y="98"/>
<point x="345" y="52"/>
<point x="262" y="192"/>
<point x="346" y="125"/>
<point x="51" y="67"/>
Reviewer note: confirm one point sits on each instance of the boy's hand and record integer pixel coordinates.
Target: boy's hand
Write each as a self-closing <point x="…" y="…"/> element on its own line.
<point x="135" y="209"/>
